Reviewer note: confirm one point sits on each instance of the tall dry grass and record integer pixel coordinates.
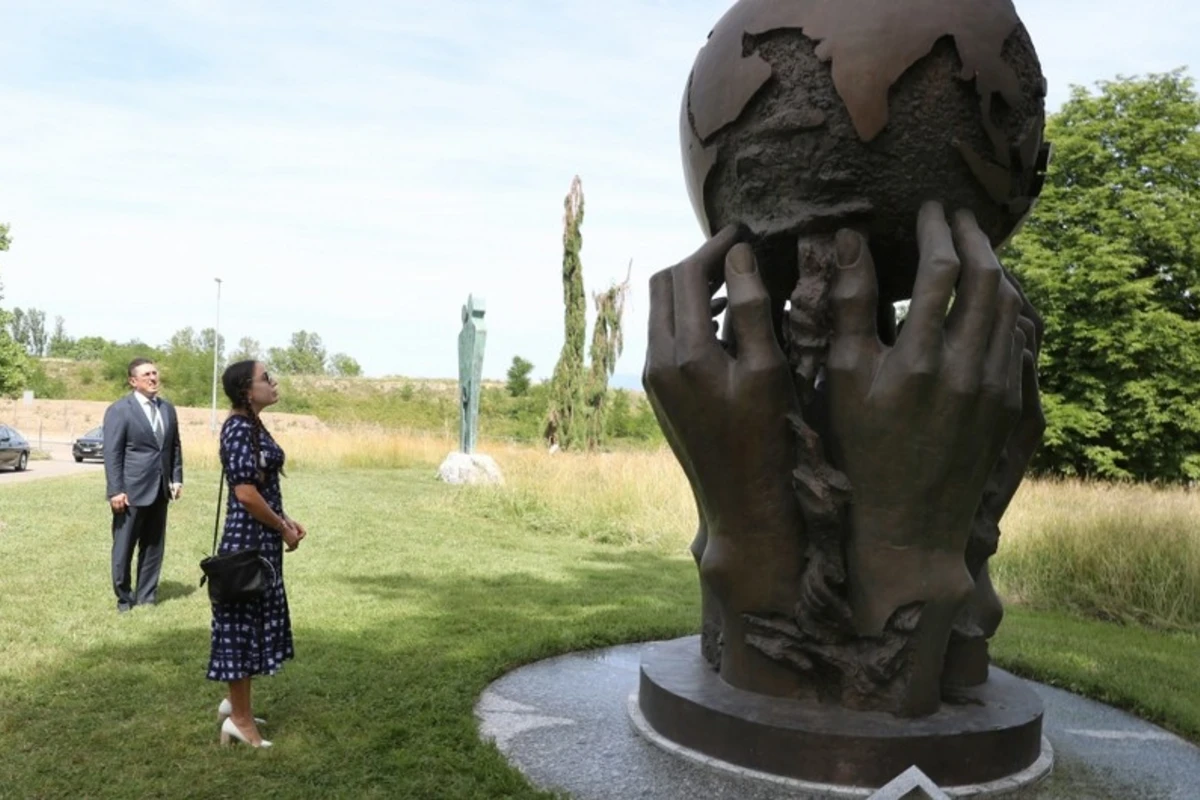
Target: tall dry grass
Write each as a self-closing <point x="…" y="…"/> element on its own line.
<point x="637" y="497"/>
<point x="1126" y="552"/>
<point x="634" y="497"/>
<point x="356" y="447"/>
<point x="1115" y="551"/>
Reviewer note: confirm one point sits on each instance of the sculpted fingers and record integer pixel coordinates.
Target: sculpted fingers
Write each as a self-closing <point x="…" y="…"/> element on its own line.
<point x="699" y="275"/>
<point x="1014" y="395"/>
<point x="693" y="281"/>
<point x="1029" y="312"/>
<point x="855" y="300"/>
<point x="662" y="306"/>
<point x="969" y="326"/>
<point x="1034" y="327"/>
<point x="937" y="273"/>
<point x="660" y="349"/>
<point x="1024" y="439"/>
<point x="1029" y="328"/>
<point x="710" y="258"/>
<point x="1033" y="419"/>
<point x="750" y="310"/>
<point x="996" y="362"/>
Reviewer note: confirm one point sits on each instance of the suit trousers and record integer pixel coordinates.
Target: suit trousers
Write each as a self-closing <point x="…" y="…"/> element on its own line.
<point x="143" y="527"/>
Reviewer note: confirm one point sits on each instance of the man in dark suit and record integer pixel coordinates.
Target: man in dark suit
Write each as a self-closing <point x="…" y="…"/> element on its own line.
<point x="143" y="467"/>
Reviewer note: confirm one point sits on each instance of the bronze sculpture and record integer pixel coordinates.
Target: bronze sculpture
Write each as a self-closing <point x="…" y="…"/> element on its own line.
<point x="471" y="342"/>
<point x="849" y="476"/>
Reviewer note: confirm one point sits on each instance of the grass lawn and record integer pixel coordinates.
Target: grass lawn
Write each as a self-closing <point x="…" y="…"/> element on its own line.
<point x="406" y="602"/>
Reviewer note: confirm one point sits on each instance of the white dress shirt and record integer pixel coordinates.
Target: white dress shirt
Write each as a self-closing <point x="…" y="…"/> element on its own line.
<point x="145" y="402"/>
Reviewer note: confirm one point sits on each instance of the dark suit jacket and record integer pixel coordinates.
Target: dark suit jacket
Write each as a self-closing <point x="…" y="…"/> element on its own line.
<point x="133" y="461"/>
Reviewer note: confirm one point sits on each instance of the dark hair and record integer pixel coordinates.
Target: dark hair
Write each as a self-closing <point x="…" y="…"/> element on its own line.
<point x="137" y="362"/>
<point x="237" y="380"/>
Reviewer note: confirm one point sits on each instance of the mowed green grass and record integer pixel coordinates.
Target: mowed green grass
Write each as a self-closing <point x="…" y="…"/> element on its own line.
<point x="406" y="602"/>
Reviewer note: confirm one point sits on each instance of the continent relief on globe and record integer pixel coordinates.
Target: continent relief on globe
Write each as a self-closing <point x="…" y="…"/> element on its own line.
<point x="805" y="115"/>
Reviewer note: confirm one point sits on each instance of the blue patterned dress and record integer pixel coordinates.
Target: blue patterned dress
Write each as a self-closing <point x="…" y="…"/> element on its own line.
<point x="255" y="637"/>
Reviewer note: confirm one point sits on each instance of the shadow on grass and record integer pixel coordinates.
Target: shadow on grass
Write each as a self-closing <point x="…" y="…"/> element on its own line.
<point x="173" y="590"/>
<point x="377" y="707"/>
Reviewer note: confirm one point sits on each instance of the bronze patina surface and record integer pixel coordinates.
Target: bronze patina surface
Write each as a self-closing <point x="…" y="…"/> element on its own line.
<point x="850" y="473"/>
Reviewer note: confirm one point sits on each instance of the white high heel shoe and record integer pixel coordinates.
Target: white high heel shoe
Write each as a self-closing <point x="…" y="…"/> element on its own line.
<point x="231" y="731"/>
<point x="225" y="709"/>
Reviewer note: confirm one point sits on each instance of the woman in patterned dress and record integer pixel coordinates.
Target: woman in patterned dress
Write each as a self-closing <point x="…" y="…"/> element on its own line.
<point x="255" y="637"/>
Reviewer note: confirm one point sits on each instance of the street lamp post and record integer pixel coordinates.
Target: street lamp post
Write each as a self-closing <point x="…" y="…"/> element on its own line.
<point x="216" y="356"/>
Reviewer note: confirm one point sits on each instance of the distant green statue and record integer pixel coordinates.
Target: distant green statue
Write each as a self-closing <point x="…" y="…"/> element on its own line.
<point x="471" y="342"/>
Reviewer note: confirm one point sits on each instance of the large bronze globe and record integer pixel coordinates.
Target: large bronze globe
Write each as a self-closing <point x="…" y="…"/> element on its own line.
<point x="803" y="116"/>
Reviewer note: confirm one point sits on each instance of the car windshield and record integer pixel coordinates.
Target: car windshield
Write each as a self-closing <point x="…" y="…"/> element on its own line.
<point x="94" y="433"/>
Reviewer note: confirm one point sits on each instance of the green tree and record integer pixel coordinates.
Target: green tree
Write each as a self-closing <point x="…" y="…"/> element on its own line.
<point x="278" y="361"/>
<point x="607" y="344"/>
<point x="43" y="385"/>
<point x="90" y="348"/>
<point x="578" y="397"/>
<point x="14" y="363"/>
<point x="248" y="349"/>
<point x="210" y="342"/>
<point x="115" y="360"/>
<point x="35" y="338"/>
<point x="564" y="418"/>
<point x="1111" y="259"/>
<point x="185" y="363"/>
<point x="60" y="344"/>
<point x="343" y="366"/>
<point x="630" y="417"/>
<point x="518" y="377"/>
<point x="305" y="355"/>
<point x="17" y="328"/>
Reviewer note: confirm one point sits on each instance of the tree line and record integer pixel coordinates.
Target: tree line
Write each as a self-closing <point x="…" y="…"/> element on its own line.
<point x="1111" y="259"/>
<point x="185" y="359"/>
<point x="1110" y="256"/>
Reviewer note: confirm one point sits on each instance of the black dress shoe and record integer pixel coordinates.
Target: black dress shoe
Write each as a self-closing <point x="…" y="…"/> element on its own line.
<point x="124" y="609"/>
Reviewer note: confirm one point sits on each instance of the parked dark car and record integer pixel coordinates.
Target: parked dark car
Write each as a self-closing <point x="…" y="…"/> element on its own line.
<point x="14" y="449"/>
<point x="90" y="445"/>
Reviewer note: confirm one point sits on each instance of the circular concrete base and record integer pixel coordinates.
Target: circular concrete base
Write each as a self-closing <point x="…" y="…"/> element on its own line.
<point x="992" y="736"/>
<point x="1003" y="787"/>
<point x="565" y="724"/>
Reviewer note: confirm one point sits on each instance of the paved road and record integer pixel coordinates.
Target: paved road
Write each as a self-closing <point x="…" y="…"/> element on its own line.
<point x="61" y="463"/>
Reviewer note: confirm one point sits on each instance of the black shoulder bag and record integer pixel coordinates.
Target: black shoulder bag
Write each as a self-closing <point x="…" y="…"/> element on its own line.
<point x="236" y="577"/>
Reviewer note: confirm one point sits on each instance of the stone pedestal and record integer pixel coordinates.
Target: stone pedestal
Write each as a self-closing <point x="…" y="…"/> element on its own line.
<point x="992" y="732"/>
<point x="463" y="468"/>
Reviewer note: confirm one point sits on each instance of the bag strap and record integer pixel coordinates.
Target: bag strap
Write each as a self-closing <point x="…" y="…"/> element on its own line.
<point x="217" y="522"/>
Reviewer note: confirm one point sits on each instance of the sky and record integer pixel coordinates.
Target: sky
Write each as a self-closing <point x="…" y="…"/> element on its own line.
<point x="357" y="169"/>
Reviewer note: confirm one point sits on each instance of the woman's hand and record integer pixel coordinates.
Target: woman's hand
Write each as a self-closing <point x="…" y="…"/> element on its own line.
<point x="292" y="534"/>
